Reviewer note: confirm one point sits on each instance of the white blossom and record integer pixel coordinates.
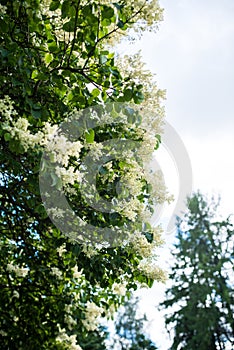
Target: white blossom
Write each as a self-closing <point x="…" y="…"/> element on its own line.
<point x="119" y="288"/>
<point x="69" y="341"/>
<point x="141" y="244"/>
<point x="70" y="321"/>
<point x="92" y="313"/>
<point x="62" y="249"/>
<point x="56" y="212"/>
<point x="56" y="272"/>
<point x="77" y="274"/>
<point x="15" y="294"/>
<point x="151" y="270"/>
<point x="19" y="271"/>
<point x="68" y="176"/>
<point x="3" y="333"/>
<point x="3" y="9"/>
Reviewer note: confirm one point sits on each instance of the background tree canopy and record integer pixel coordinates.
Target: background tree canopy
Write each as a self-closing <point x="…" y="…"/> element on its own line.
<point x="131" y="329"/>
<point x="56" y="58"/>
<point x="201" y="299"/>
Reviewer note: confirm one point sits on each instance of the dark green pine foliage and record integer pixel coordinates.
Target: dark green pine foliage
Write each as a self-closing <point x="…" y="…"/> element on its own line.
<point x="96" y="340"/>
<point x="201" y="298"/>
<point x="130" y="329"/>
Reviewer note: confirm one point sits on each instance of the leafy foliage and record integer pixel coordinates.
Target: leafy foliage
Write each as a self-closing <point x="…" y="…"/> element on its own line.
<point x="55" y="58"/>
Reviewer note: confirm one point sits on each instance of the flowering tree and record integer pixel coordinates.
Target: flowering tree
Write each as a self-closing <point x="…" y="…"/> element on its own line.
<point x="57" y="60"/>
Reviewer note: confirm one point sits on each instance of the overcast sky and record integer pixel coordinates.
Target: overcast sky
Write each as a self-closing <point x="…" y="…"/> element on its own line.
<point x="193" y="57"/>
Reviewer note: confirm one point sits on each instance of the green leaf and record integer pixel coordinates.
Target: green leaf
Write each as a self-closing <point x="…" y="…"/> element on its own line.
<point x="69" y="26"/>
<point x="95" y="92"/>
<point x="138" y="97"/>
<point x="89" y="136"/>
<point x="79" y="98"/>
<point x="36" y="113"/>
<point x="128" y="94"/>
<point x="70" y="96"/>
<point x="3" y="25"/>
<point x="120" y="24"/>
<point x="54" y="179"/>
<point x="53" y="47"/>
<point x="7" y="136"/>
<point x="4" y="52"/>
<point x="103" y="170"/>
<point x="149" y="236"/>
<point x="118" y="6"/>
<point x="150" y="282"/>
<point x="41" y="211"/>
<point x="34" y="74"/>
<point x="105" y="52"/>
<point x="65" y="9"/>
<point x="48" y="58"/>
<point x="54" y="5"/>
<point x="103" y="59"/>
<point x="108" y="12"/>
<point x="158" y="137"/>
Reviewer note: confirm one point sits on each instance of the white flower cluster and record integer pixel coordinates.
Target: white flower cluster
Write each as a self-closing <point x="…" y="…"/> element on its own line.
<point x="60" y="150"/>
<point x="159" y="191"/>
<point x="3" y="333"/>
<point x="129" y="187"/>
<point x="68" y="319"/>
<point x="151" y="270"/>
<point x="132" y="179"/>
<point x="142" y="246"/>
<point x="119" y="288"/>
<point x="76" y="273"/>
<point x="19" y="271"/>
<point x="15" y="294"/>
<point x="58" y="146"/>
<point x="69" y="342"/>
<point x="7" y="107"/>
<point x="62" y="249"/>
<point x="90" y="250"/>
<point x="95" y="150"/>
<point x="56" y="212"/>
<point x="133" y="67"/>
<point x="3" y="10"/>
<point x="130" y="208"/>
<point x="92" y="313"/>
<point x="148" y="144"/>
<point x="111" y="174"/>
<point x="56" y="272"/>
<point x="149" y="16"/>
<point x="157" y="235"/>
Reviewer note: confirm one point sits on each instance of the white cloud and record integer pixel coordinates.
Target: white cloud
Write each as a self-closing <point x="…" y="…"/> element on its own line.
<point x="193" y="57"/>
<point x="213" y="165"/>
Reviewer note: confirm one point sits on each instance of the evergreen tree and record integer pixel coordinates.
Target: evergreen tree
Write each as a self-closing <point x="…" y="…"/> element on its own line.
<point x="130" y="329"/>
<point x="201" y="298"/>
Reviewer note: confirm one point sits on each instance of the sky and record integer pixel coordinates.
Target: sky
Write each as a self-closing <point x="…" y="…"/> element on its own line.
<point x="192" y="56"/>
